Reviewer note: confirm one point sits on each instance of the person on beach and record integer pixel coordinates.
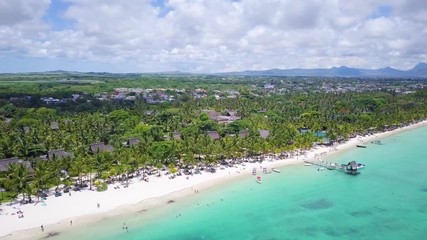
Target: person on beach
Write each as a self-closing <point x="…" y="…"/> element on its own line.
<point x="42" y="228"/>
<point x="71" y="222"/>
<point x="98" y="205"/>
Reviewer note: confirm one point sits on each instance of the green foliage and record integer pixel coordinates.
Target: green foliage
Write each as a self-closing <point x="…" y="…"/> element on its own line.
<point x="8" y="110"/>
<point x="236" y="126"/>
<point x="203" y="117"/>
<point x="119" y="115"/>
<point x="89" y="121"/>
<point x="27" y="121"/>
<point x="142" y="128"/>
<point x="162" y="151"/>
<point x="101" y="186"/>
<point x="208" y="125"/>
<point x="172" y="168"/>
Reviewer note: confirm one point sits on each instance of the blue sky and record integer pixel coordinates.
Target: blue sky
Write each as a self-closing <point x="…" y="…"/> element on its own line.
<point x="54" y="15"/>
<point x="209" y="36"/>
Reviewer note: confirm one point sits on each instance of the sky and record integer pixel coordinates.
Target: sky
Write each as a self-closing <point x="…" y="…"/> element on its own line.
<point x="206" y="36"/>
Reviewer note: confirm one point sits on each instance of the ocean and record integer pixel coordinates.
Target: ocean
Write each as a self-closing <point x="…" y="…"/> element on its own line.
<point x="388" y="200"/>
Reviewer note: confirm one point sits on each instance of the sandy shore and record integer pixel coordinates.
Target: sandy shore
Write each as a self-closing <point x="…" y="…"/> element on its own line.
<point x="56" y="213"/>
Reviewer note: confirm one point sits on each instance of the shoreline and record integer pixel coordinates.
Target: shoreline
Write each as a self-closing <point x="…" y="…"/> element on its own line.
<point x="81" y="208"/>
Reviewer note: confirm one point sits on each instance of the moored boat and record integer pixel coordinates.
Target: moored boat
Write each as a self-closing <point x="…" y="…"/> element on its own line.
<point x="307" y="164"/>
<point x="258" y="179"/>
<point x="361" y="146"/>
<point x="275" y="170"/>
<point x="254" y="171"/>
<point x="360" y="165"/>
<point x="351" y="168"/>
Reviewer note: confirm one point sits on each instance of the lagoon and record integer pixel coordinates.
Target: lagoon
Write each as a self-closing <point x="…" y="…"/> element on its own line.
<point x="386" y="201"/>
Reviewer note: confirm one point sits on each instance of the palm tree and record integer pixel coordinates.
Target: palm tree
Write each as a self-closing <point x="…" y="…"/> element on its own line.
<point x="78" y="168"/>
<point x="2" y="186"/>
<point x="88" y="169"/>
<point x="18" y="173"/>
<point x="29" y="190"/>
<point x="41" y="176"/>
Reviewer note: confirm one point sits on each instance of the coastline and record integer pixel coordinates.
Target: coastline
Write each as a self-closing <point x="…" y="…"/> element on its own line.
<point x="82" y="208"/>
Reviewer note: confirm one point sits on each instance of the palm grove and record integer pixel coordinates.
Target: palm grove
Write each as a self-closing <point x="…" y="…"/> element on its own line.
<point x="29" y="134"/>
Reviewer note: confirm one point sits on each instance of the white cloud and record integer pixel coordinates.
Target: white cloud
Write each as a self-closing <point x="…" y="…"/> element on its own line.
<point x="18" y="11"/>
<point x="379" y="27"/>
<point x="222" y="35"/>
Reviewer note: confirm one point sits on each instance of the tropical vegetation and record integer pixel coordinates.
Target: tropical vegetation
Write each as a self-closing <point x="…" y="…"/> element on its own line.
<point x="28" y="133"/>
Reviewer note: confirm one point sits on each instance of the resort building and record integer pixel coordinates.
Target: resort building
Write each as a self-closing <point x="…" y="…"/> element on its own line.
<point x="264" y="133"/>
<point x="213" y="135"/>
<point x="100" y="147"/>
<point x="4" y="163"/>
<point x="244" y="133"/>
<point x="132" y="141"/>
<point x="58" y="154"/>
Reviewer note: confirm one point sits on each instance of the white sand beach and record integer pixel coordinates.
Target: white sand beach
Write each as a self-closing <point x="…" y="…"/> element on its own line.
<point x="56" y="213"/>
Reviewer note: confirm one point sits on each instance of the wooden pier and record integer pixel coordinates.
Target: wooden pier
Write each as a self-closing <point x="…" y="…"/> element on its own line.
<point x="331" y="166"/>
<point x="324" y="164"/>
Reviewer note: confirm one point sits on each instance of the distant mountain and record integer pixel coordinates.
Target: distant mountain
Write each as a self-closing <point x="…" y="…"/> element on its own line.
<point x="419" y="71"/>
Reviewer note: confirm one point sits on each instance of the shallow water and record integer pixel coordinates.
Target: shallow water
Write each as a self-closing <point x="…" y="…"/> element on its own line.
<point x="387" y="201"/>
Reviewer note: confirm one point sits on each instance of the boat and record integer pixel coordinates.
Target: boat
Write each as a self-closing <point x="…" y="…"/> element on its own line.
<point x="275" y="170"/>
<point x="254" y="171"/>
<point x="353" y="172"/>
<point x="361" y="146"/>
<point x="360" y="165"/>
<point x="378" y="142"/>
<point x="307" y="164"/>
<point x="265" y="171"/>
<point x="321" y="169"/>
<point x="258" y="179"/>
<point x="351" y="168"/>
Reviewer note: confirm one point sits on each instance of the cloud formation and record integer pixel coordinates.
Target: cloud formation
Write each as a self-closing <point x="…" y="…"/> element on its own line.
<point x="220" y="35"/>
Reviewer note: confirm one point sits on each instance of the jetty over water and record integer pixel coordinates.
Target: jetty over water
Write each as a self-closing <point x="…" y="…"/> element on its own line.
<point x="324" y="164"/>
<point x="350" y="168"/>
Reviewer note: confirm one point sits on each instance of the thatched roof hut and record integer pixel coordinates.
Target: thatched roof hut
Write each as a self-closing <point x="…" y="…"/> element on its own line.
<point x="54" y="126"/>
<point x="57" y="154"/>
<point x="132" y="141"/>
<point x="95" y="147"/>
<point x="213" y="134"/>
<point x="244" y="133"/>
<point x="264" y="133"/>
<point x="4" y="163"/>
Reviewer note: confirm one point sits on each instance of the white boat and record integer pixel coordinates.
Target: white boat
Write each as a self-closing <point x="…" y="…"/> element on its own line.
<point x="307" y="164"/>
<point x="360" y="165"/>
<point x="254" y="171"/>
<point x="275" y="170"/>
<point x="258" y="179"/>
<point x="321" y="169"/>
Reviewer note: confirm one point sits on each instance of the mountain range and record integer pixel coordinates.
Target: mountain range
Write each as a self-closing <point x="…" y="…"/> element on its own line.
<point x="419" y="71"/>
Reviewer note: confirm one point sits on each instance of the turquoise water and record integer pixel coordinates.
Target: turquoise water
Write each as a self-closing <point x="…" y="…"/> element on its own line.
<point x="387" y="201"/>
